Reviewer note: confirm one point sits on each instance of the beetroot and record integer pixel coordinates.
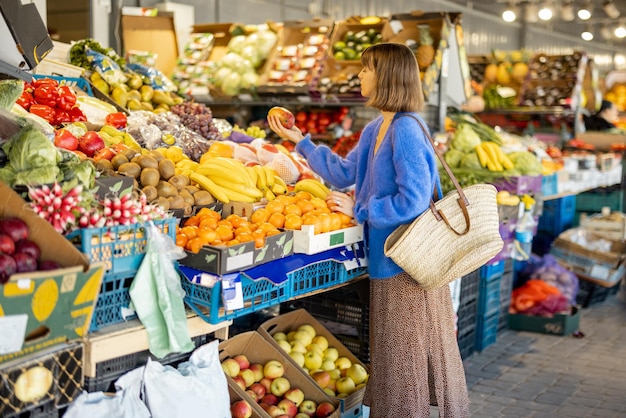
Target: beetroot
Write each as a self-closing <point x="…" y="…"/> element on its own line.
<point x="7" y="246"/>
<point x="24" y="262"/>
<point x="7" y="267"/>
<point x="14" y="228"/>
<point x="45" y="265"/>
<point x="27" y="246"/>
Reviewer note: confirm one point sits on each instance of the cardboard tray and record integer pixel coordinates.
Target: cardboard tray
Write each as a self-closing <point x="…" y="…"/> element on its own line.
<point x="291" y="321"/>
<point x="259" y="350"/>
<point x="559" y="324"/>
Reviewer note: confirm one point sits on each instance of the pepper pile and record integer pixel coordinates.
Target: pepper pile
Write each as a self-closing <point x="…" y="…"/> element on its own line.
<point x="54" y="102"/>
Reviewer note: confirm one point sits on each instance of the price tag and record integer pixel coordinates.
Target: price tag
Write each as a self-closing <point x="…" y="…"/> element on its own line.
<point x="396" y="26"/>
<point x="12" y="332"/>
<point x="232" y="292"/>
<point x="600" y="272"/>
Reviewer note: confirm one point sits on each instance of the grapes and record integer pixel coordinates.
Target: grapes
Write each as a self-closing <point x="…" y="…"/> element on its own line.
<point x="197" y="117"/>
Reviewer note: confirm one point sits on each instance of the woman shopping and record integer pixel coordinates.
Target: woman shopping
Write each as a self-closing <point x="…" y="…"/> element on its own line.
<point x="415" y="360"/>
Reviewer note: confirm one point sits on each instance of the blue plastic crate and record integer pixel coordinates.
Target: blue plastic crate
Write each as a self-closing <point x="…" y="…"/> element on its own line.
<point x="557" y="215"/>
<point x="549" y="184"/>
<point x="81" y="83"/>
<point x="486" y="331"/>
<point x="489" y="295"/>
<point x="112" y="302"/>
<point x="316" y="276"/>
<point x="207" y="301"/>
<point x="506" y="287"/>
<point x="120" y="247"/>
<point x="492" y="270"/>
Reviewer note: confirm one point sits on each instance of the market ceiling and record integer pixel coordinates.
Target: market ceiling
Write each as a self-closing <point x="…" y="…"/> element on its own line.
<point x="600" y="24"/>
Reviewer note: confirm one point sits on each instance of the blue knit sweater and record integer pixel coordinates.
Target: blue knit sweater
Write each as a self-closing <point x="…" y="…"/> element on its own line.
<point x="392" y="187"/>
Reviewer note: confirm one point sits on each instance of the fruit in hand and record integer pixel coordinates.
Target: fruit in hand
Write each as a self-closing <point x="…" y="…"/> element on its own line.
<point x="287" y="118"/>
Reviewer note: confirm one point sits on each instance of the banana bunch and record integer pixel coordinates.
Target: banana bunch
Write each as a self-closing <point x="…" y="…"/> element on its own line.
<point x="492" y="157"/>
<point x="112" y="136"/>
<point x="228" y="179"/>
<point x="313" y="186"/>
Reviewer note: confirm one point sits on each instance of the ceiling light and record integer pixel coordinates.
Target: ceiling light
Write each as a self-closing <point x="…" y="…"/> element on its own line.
<point x="530" y="14"/>
<point x="584" y="13"/>
<point x="587" y="35"/>
<point x="545" y="13"/>
<point x="620" y="31"/>
<point x="567" y="11"/>
<point x="510" y="14"/>
<point x="610" y="9"/>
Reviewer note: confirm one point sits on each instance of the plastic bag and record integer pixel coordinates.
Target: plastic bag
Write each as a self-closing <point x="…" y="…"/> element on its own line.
<point x="551" y="272"/>
<point x="157" y="296"/>
<point x="170" y="394"/>
<point x="125" y="403"/>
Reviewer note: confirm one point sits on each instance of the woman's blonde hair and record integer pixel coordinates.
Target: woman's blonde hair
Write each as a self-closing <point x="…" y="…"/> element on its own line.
<point x="398" y="86"/>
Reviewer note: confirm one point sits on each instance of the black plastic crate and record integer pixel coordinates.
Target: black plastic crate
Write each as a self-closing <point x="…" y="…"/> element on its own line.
<point x="46" y="410"/>
<point x="108" y="371"/>
<point x="358" y="346"/>
<point x="506" y="287"/>
<point x="466" y="315"/>
<point x="591" y="293"/>
<point x="469" y="287"/>
<point x="467" y="344"/>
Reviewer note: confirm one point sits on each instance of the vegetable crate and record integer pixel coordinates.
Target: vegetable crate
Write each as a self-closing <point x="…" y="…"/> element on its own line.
<point x="40" y="384"/>
<point x="120" y="247"/>
<point x="557" y="215"/>
<point x="208" y="302"/>
<point x="76" y="82"/>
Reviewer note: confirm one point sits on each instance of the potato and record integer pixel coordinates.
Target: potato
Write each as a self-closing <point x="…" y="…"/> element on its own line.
<point x="164" y="189"/>
<point x="33" y="384"/>
<point x="167" y="169"/>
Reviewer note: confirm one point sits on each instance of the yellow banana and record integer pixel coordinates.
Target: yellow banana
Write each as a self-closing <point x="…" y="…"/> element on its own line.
<point x="261" y="178"/>
<point x="493" y="164"/>
<point x="187" y="164"/>
<point x="235" y="196"/>
<point x="482" y="155"/>
<point x="269" y="195"/>
<point x="279" y="186"/>
<point x="269" y="176"/>
<point x="229" y="167"/>
<point x="507" y="164"/>
<point x="315" y="187"/>
<point x="237" y="187"/>
<point x="253" y="175"/>
<point x="216" y="170"/>
<point x="208" y="185"/>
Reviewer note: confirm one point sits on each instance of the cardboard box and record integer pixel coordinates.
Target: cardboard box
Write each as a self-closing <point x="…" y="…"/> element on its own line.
<point x="260" y="350"/>
<point x="292" y="320"/>
<point x="612" y="226"/>
<point x="601" y="140"/>
<point x="41" y="309"/>
<point x="236" y="394"/>
<point x="152" y="33"/>
<point x="64" y="365"/>
<point x="301" y="47"/>
<point x="221" y="38"/>
<point x="307" y="242"/>
<point x="559" y="324"/>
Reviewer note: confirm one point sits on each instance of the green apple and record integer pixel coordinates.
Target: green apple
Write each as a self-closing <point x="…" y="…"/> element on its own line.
<point x="279" y="336"/>
<point x="343" y="363"/>
<point x="280" y="385"/>
<point x="316" y="348"/>
<point x="335" y="373"/>
<point x="298" y="346"/>
<point x="331" y="353"/>
<point x="304" y="337"/>
<point x="357" y="373"/>
<point x="345" y="385"/>
<point x="321" y="341"/>
<point x="312" y="360"/>
<point x="308" y="328"/>
<point x="290" y="335"/>
<point x="328" y="365"/>
<point x="284" y="345"/>
<point x="298" y="357"/>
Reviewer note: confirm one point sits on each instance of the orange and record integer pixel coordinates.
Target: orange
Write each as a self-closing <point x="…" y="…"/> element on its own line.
<point x="271" y="232"/>
<point x="209" y="212"/>
<point x="305" y="205"/>
<point x="181" y="240"/>
<point x="233" y="242"/>
<point x="208" y="222"/>
<point x="293" y="221"/>
<point x="194" y="245"/>
<point x="345" y="219"/>
<point x="275" y="206"/>
<point x="235" y="220"/>
<point x="243" y="229"/>
<point x="266" y="226"/>
<point x="260" y="215"/>
<point x="190" y="231"/>
<point x="286" y="199"/>
<point x="335" y="221"/>
<point x="225" y="222"/>
<point x="225" y="233"/>
<point x="324" y="210"/>
<point x="325" y="220"/>
<point x="259" y="238"/>
<point x="303" y="195"/>
<point x="318" y="203"/>
<point x="309" y="219"/>
<point x="244" y="237"/>
<point x="277" y="219"/>
<point x="192" y="221"/>
<point x="208" y="235"/>
<point x="292" y="209"/>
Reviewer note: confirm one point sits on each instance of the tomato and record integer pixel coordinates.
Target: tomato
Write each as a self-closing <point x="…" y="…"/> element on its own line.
<point x="117" y="120"/>
<point x="65" y="139"/>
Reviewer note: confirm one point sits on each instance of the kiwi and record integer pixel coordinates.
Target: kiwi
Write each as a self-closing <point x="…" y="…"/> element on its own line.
<point x="202" y="198"/>
<point x="118" y="160"/>
<point x="163" y="202"/>
<point x="179" y="181"/>
<point x="187" y="210"/>
<point x="192" y="189"/>
<point x="176" y="202"/>
<point x="150" y="192"/>
<point x="146" y="161"/>
<point x="187" y="196"/>
<point x="104" y="165"/>
<point x="149" y="177"/>
<point x="129" y="153"/>
<point x="167" y="169"/>
<point x="165" y="189"/>
<point x="156" y="155"/>
<point x="130" y="169"/>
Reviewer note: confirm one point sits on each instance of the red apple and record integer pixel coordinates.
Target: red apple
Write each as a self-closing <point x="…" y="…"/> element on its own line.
<point x="279" y="386"/>
<point x="253" y="395"/>
<point x="257" y="369"/>
<point x="288" y="407"/>
<point x="269" y="399"/>
<point x="241" y="409"/>
<point x="287" y="119"/>
<point x="231" y="367"/>
<point x="308" y="407"/>
<point x="243" y="361"/>
<point x="266" y="382"/>
<point x="274" y="411"/>
<point x="322" y="378"/>
<point x="273" y="369"/>
<point x="240" y="382"/>
<point x="259" y="389"/>
<point x="324" y="409"/>
<point x="295" y="395"/>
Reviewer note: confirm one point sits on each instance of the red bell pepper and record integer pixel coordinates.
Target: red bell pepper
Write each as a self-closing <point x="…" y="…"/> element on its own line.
<point x="41" y="81"/>
<point x="46" y="94"/>
<point x="117" y="120"/>
<point x="66" y="99"/>
<point x="26" y="100"/>
<point x="43" y="111"/>
<point x="65" y="139"/>
<point x="61" y="116"/>
<point x="77" y="115"/>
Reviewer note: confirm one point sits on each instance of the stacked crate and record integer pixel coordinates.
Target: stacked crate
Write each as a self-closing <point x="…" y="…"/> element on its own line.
<point x="488" y="310"/>
<point x="506" y="287"/>
<point x="466" y="323"/>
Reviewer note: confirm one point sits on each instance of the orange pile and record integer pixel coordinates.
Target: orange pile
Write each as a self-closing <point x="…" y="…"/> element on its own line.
<point x="208" y="228"/>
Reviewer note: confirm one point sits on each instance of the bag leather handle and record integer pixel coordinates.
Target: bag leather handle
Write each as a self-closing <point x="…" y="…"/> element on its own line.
<point x="462" y="200"/>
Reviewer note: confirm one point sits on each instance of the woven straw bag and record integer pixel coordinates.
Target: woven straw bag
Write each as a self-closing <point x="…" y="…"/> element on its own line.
<point x="457" y="235"/>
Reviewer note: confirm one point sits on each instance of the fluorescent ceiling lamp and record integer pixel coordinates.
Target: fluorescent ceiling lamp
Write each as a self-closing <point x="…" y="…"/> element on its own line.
<point x="587" y="35"/>
<point x="620" y="32"/>
<point x="545" y="13"/>
<point x="584" y="13"/>
<point x="510" y="14"/>
<point x="567" y="12"/>
<point x="610" y="9"/>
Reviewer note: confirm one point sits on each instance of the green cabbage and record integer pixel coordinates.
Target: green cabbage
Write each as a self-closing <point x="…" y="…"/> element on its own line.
<point x="10" y="91"/>
<point x="471" y="161"/>
<point x="465" y="138"/>
<point x="453" y="157"/>
<point x="526" y="162"/>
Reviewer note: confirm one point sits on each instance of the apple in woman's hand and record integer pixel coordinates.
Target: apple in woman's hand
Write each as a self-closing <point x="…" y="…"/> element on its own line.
<point x="286" y="118"/>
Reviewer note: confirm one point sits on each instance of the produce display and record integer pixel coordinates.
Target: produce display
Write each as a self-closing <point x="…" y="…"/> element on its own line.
<point x="337" y="375"/>
<point x="267" y="385"/>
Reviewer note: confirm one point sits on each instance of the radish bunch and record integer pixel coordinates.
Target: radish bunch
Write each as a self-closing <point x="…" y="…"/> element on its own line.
<point x="129" y="209"/>
<point x="59" y="209"/>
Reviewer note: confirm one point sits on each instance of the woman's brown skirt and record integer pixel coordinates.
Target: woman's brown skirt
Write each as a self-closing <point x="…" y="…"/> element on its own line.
<point x="414" y="355"/>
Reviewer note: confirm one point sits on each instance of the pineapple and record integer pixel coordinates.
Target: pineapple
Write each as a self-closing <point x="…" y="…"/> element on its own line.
<point x="425" y="53"/>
